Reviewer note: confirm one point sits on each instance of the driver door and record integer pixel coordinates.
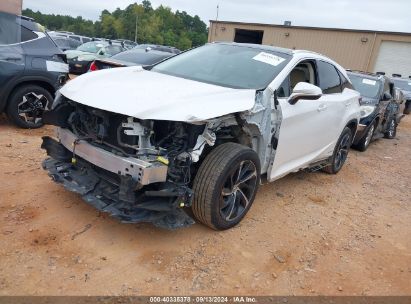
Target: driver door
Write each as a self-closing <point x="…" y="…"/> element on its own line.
<point x="302" y="134"/>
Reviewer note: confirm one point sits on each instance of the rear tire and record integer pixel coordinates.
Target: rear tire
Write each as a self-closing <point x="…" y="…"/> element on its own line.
<point x="225" y="186"/>
<point x="391" y="128"/>
<point x="364" y="143"/>
<point x="340" y="152"/>
<point x="26" y="106"/>
<point x="407" y="108"/>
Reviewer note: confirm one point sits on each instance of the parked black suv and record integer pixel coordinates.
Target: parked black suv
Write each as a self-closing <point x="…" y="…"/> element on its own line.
<point x="32" y="68"/>
<point x="379" y="111"/>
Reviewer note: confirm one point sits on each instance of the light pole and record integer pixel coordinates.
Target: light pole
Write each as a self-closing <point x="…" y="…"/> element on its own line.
<point x="135" y="36"/>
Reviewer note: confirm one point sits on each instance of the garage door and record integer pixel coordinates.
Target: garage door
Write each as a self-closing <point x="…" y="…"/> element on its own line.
<point x="394" y="58"/>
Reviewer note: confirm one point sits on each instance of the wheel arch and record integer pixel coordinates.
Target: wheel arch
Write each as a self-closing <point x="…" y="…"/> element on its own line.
<point x="41" y="82"/>
<point x="352" y="125"/>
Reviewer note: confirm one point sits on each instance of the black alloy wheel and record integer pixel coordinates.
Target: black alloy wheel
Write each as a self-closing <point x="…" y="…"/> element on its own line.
<point x="27" y="105"/>
<point x="340" y="152"/>
<point x="225" y="185"/>
<point x="238" y="190"/>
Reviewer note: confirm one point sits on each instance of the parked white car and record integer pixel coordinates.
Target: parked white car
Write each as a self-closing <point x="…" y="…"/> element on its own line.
<point x="199" y="130"/>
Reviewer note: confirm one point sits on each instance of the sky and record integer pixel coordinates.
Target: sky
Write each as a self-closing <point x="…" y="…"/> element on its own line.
<point x="383" y="15"/>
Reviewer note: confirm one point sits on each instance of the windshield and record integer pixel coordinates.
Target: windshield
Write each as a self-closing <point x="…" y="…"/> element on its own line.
<point x="402" y="84"/>
<point x="141" y="58"/>
<point x="367" y="87"/>
<point x="232" y="66"/>
<point x="90" y="47"/>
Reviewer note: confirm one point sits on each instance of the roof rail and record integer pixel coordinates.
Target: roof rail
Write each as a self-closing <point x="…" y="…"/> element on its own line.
<point x="26" y="18"/>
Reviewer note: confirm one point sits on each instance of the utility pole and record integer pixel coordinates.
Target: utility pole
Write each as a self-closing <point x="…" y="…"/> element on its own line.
<point x="216" y="19"/>
<point x="135" y="36"/>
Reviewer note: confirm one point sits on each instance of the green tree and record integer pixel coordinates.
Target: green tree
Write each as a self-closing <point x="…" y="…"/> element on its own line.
<point x="159" y="26"/>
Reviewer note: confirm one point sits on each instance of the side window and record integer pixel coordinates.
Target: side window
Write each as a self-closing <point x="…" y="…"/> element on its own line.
<point x="86" y="39"/>
<point x="74" y="43"/>
<point x="27" y="35"/>
<point x="113" y="49"/>
<point x="305" y="71"/>
<point x="345" y="84"/>
<point x="284" y="89"/>
<point x="75" y="38"/>
<point x="9" y="29"/>
<point x="328" y="78"/>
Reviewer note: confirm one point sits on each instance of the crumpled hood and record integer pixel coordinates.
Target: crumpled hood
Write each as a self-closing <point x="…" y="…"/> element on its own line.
<point x="143" y="94"/>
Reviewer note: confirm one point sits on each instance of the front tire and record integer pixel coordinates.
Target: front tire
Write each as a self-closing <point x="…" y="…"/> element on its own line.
<point x="225" y="186"/>
<point x="340" y="152"/>
<point x="364" y="143"/>
<point x="27" y="104"/>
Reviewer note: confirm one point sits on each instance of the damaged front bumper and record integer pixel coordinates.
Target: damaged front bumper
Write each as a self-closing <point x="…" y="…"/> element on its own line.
<point x="106" y="184"/>
<point x="144" y="173"/>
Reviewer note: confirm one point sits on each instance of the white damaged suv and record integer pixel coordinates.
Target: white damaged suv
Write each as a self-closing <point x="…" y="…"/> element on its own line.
<point x="199" y="131"/>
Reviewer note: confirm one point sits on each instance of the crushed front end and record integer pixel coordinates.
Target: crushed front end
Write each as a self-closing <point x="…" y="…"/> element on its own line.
<point x="135" y="170"/>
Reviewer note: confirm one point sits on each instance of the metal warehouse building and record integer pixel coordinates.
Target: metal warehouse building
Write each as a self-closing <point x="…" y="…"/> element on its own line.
<point x="371" y="51"/>
<point x="11" y="6"/>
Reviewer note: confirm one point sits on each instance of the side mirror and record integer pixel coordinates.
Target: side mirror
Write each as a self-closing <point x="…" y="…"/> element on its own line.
<point x="387" y="96"/>
<point x="304" y="90"/>
<point x="101" y="52"/>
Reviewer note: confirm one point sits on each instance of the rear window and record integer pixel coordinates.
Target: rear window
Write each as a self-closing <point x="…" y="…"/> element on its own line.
<point x="90" y="47"/>
<point x="141" y="58"/>
<point x="27" y="35"/>
<point x="113" y="49"/>
<point x="402" y="84"/>
<point x="15" y="30"/>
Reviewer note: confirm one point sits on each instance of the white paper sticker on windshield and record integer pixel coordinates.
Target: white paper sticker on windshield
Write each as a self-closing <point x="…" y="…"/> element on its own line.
<point x="54" y="66"/>
<point x="269" y="58"/>
<point x="369" y="82"/>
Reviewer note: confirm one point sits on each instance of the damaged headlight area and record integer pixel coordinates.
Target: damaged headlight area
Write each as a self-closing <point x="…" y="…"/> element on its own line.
<point x="136" y="170"/>
<point x="366" y="110"/>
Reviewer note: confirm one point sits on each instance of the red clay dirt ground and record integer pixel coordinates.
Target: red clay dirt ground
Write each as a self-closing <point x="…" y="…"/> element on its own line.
<point x="306" y="234"/>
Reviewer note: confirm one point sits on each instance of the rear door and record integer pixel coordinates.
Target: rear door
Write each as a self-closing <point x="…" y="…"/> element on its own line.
<point x="311" y="128"/>
<point x="11" y="55"/>
<point x="334" y="102"/>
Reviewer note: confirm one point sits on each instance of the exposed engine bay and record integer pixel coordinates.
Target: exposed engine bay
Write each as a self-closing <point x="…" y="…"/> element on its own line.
<point x="136" y="170"/>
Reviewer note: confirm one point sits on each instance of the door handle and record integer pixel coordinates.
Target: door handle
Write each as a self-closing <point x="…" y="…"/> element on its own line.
<point x="322" y="107"/>
<point x="348" y="103"/>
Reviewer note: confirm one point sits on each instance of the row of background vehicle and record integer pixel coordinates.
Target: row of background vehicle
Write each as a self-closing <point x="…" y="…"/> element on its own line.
<point x="380" y="110"/>
<point x="33" y="65"/>
<point x="143" y="54"/>
<point x="32" y="69"/>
